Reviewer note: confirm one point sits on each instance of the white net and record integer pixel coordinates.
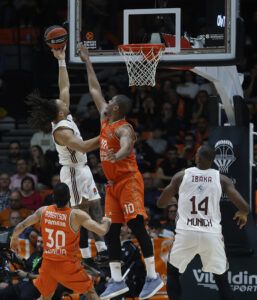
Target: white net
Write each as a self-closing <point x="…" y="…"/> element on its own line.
<point x="141" y="62"/>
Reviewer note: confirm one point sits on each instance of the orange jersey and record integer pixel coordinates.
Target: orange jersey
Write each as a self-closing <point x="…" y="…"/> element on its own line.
<point x="109" y="140"/>
<point x="59" y="240"/>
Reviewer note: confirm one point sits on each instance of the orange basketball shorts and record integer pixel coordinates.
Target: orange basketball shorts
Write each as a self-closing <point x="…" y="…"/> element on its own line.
<point x="69" y="273"/>
<point x="124" y="199"/>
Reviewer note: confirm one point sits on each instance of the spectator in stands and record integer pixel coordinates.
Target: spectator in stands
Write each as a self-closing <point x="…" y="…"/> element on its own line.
<point x="200" y="108"/>
<point x="14" y="153"/>
<point x="43" y="140"/>
<point x="22" y="171"/>
<point x="4" y="190"/>
<point x="178" y="104"/>
<point x="24" y="289"/>
<point x="48" y="198"/>
<point x="82" y="106"/>
<point x="151" y="195"/>
<point x="15" y="205"/>
<point x="157" y="142"/>
<point x="148" y="112"/>
<point x="170" y="165"/>
<point x="202" y="130"/>
<point x="30" y="198"/>
<point x="188" y="149"/>
<point x="169" y="121"/>
<point x="146" y="157"/>
<point x="7" y="123"/>
<point x="189" y="88"/>
<point x="170" y="214"/>
<point x="15" y="218"/>
<point x="90" y="126"/>
<point x="39" y="166"/>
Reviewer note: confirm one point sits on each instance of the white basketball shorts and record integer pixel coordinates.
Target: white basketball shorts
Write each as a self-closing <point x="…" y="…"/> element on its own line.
<point x="210" y="247"/>
<point x="81" y="183"/>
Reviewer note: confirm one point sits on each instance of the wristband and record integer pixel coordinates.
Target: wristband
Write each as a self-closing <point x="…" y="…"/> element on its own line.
<point x="62" y="63"/>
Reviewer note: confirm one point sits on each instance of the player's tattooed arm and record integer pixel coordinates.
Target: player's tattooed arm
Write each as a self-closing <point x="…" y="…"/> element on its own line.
<point x="30" y="220"/>
<point x="169" y="192"/>
<point x="127" y="139"/>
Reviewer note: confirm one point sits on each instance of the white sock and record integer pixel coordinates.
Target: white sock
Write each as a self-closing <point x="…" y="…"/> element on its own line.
<point x="86" y="252"/>
<point x="115" y="270"/>
<point x="100" y="246"/>
<point x="150" y="267"/>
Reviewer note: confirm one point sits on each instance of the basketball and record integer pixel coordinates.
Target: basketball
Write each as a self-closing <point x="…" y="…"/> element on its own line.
<point x="56" y="37"/>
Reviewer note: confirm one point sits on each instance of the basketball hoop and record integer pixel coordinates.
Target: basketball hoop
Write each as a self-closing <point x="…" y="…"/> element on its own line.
<point x="141" y="61"/>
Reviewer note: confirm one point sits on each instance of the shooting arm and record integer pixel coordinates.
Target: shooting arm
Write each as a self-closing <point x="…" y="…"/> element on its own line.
<point x="93" y="83"/>
<point x="167" y="195"/>
<point x="65" y="137"/>
<point x="233" y="195"/>
<point x="64" y="85"/>
<point x="63" y="80"/>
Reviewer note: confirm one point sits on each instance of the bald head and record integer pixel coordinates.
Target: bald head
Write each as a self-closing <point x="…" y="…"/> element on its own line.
<point x="124" y="104"/>
<point x="204" y="157"/>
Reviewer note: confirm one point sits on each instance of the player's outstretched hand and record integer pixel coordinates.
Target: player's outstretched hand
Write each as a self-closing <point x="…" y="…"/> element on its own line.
<point x="83" y="51"/>
<point x="59" y="53"/>
<point x="241" y="218"/>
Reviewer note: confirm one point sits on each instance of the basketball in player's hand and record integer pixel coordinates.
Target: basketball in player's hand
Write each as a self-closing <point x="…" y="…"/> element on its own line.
<point x="56" y="37"/>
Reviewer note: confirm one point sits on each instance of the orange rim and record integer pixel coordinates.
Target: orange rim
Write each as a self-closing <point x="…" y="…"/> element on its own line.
<point x="143" y="47"/>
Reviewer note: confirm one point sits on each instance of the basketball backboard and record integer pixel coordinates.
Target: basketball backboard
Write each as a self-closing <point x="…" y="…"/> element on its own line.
<point x="198" y="33"/>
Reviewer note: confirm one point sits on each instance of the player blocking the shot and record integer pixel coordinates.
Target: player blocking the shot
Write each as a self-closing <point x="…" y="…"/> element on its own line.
<point x="198" y="230"/>
<point x="124" y="200"/>
<point x="54" y="115"/>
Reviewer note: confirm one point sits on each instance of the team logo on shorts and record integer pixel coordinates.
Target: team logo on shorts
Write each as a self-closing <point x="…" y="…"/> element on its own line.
<point x="95" y="190"/>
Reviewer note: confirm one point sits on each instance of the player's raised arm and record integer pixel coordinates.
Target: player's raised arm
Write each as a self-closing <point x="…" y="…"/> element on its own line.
<point x="30" y="220"/>
<point x="81" y="218"/>
<point x="65" y="137"/>
<point x="94" y="86"/>
<point x="236" y="198"/>
<point x="167" y="195"/>
<point x="63" y="81"/>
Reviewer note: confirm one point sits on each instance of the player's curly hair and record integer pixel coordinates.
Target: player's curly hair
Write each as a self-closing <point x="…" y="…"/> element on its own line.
<point x="42" y="112"/>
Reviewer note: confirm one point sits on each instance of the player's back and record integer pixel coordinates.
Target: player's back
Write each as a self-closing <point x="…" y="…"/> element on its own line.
<point x="109" y="140"/>
<point x="67" y="156"/>
<point x="199" y="198"/>
<point x="61" y="242"/>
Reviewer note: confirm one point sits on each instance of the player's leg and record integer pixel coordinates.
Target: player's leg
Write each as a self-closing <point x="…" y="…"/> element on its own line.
<point x="94" y="209"/>
<point x="132" y="203"/>
<point x="225" y="291"/>
<point x="91" y="295"/>
<point x="46" y="283"/>
<point x="214" y="260"/>
<point x="173" y="282"/>
<point x="73" y="276"/>
<point x="116" y="285"/>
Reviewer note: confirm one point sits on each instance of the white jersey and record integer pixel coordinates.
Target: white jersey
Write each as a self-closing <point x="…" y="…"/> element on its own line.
<point x="199" y="201"/>
<point x="69" y="157"/>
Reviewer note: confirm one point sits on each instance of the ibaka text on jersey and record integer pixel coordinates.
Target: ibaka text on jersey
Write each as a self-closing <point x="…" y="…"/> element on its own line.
<point x="199" y="222"/>
<point x="201" y="178"/>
